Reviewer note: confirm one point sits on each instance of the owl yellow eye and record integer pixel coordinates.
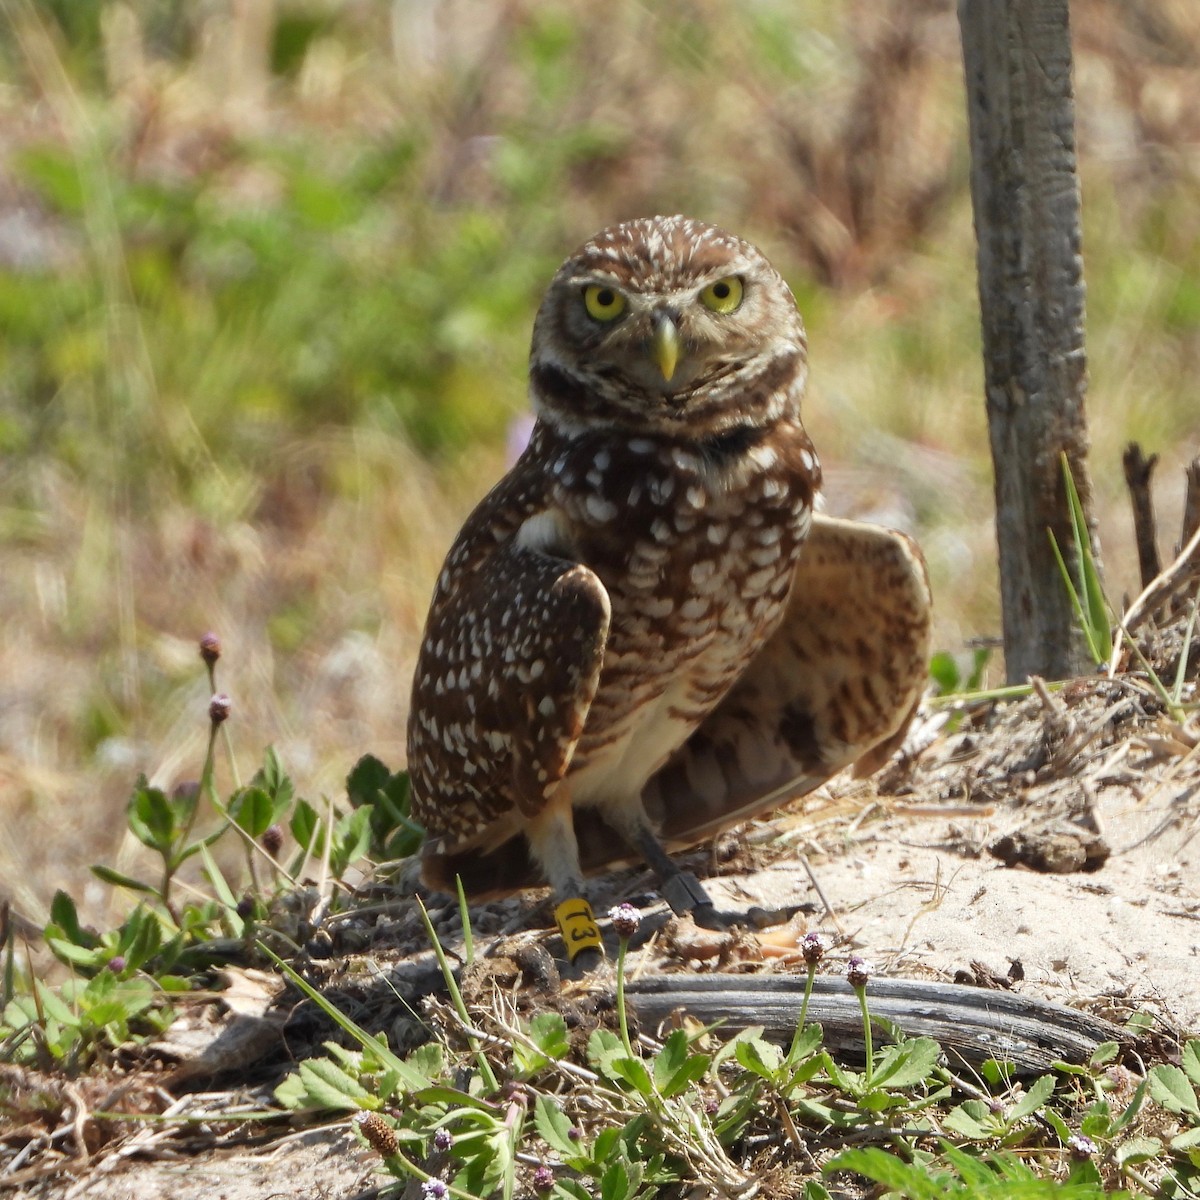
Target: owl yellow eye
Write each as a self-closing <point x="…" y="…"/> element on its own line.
<point x="724" y="295"/>
<point x="603" y="303"/>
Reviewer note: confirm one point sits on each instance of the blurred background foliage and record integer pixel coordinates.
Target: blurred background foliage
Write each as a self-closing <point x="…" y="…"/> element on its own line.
<point x="268" y="269"/>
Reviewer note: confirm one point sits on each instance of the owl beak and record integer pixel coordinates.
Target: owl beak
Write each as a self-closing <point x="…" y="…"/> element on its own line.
<point x="665" y="345"/>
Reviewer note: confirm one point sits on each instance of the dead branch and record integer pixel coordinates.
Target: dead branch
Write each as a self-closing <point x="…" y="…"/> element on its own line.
<point x="1138" y="469"/>
<point x="1191" y="504"/>
<point x="971" y="1024"/>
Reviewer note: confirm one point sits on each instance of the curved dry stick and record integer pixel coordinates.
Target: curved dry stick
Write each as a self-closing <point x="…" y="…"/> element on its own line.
<point x="971" y="1023"/>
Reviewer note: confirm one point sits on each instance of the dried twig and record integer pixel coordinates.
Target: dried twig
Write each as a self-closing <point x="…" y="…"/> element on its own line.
<point x="1138" y="469"/>
<point x="972" y="1024"/>
<point x="1191" y="504"/>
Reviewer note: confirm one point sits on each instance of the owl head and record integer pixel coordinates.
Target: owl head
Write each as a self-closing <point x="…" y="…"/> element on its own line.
<point x="669" y="325"/>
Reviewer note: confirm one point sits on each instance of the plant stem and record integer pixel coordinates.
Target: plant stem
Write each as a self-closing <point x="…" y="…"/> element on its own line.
<point x="808" y="987"/>
<point x="622" y="1023"/>
<point x="861" y="992"/>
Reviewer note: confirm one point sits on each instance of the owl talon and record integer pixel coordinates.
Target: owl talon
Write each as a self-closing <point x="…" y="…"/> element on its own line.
<point x="685" y="893"/>
<point x="765" y="918"/>
<point x="706" y="916"/>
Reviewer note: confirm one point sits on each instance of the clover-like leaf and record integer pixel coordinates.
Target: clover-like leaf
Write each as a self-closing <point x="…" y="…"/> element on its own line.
<point x="1169" y="1086"/>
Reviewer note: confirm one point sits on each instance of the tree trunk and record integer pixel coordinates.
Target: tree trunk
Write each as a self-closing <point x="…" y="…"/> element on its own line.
<point x="1025" y="193"/>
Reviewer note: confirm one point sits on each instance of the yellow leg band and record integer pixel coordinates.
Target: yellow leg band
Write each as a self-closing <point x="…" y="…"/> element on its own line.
<point x="578" y="927"/>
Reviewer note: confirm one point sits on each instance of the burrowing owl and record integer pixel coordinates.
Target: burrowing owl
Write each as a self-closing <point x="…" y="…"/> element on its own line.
<point x="629" y="639"/>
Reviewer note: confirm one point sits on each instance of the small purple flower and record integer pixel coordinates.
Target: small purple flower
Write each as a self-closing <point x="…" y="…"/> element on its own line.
<point x="858" y="972"/>
<point x="443" y="1139"/>
<point x="434" y="1189"/>
<point x="210" y="648"/>
<point x="1081" y="1147"/>
<point x="812" y="946"/>
<point x="218" y="708"/>
<point x="272" y="839"/>
<point x="543" y="1179"/>
<point x="625" y="920"/>
<point x="116" y="964"/>
<point x="245" y="907"/>
<point x="575" y="1133"/>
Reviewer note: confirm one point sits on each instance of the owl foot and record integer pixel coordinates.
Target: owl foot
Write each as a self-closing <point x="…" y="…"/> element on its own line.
<point x="686" y="894"/>
<point x="683" y="891"/>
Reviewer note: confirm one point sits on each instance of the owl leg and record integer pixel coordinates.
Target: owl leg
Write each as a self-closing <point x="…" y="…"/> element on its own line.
<point x="552" y="843"/>
<point x="681" y="889"/>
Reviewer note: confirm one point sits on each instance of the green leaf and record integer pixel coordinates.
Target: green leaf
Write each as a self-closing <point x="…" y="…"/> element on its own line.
<point x="65" y="915"/>
<point x="427" y="1060"/>
<point x="1169" y="1087"/>
<point x="632" y="1071"/>
<point x="843" y="1080"/>
<point x="894" y="1174"/>
<point x="694" y="1068"/>
<point x="1190" y="1061"/>
<point x="1034" y="1098"/>
<point x="274" y="780"/>
<point x="1000" y="1071"/>
<point x="1132" y="1108"/>
<point x="571" y="1189"/>
<point x="152" y="817"/>
<point x="1188" y="1140"/>
<point x="671" y="1057"/>
<point x="367" y="778"/>
<point x="292" y="1093"/>
<point x="224" y="893"/>
<point x="806" y="1045"/>
<point x="330" y="1087"/>
<point x="308" y="829"/>
<point x="252" y="810"/>
<point x="620" y="1180"/>
<point x="549" y="1031"/>
<point x="760" y="1058"/>
<point x="352" y="838"/>
<point x="1099" y="623"/>
<point x="822" y="1114"/>
<point x="878" y="1100"/>
<point x="1061" y="1128"/>
<point x="1136" y="1150"/>
<point x="601" y="1046"/>
<point x="943" y="668"/>
<point x="553" y="1125"/>
<point x="73" y="955"/>
<point x="108" y="875"/>
<point x="53" y="1004"/>
<point x="607" y="1144"/>
<point x="907" y="1064"/>
<point x="1097" y="1121"/>
<point x="141" y="939"/>
<point x="971" y="1119"/>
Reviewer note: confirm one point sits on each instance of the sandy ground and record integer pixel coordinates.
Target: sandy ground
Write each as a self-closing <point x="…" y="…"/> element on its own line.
<point x="1096" y="787"/>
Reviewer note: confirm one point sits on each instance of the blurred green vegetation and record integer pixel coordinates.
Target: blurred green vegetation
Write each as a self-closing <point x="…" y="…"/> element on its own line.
<point x="268" y="271"/>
